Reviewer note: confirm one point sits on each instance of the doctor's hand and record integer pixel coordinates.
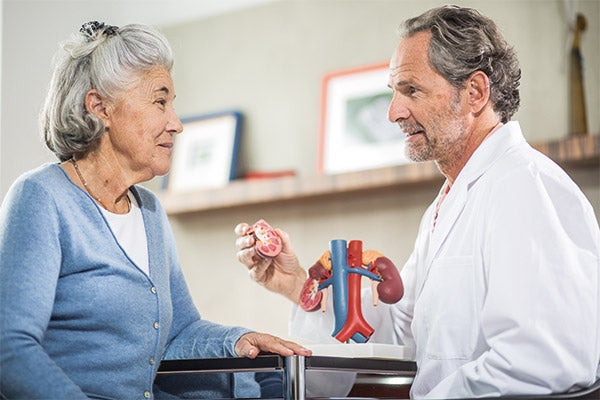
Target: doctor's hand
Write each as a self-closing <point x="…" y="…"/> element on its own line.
<point x="281" y="274"/>
<point x="250" y="344"/>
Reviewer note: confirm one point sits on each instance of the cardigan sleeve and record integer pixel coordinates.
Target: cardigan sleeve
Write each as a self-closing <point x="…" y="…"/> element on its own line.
<point x="191" y="336"/>
<point x="30" y="255"/>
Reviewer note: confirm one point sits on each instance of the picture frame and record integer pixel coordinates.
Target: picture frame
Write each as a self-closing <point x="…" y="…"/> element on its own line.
<point x="205" y="153"/>
<point x="354" y="131"/>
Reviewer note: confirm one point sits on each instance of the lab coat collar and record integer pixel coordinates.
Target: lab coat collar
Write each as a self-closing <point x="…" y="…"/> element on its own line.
<point x="488" y="152"/>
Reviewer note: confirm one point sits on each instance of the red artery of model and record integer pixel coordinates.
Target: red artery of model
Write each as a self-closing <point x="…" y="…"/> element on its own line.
<point x="342" y="268"/>
<point x="355" y="326"/>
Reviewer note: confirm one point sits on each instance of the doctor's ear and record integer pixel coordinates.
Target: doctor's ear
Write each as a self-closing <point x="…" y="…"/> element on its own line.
<point x="478" y="91"/>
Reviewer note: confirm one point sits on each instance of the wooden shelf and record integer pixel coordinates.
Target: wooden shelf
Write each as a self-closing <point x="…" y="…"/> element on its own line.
<point x="573" y="152"/>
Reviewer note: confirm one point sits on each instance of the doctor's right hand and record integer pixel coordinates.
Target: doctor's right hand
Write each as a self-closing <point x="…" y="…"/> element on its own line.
<point x="281" y="274"/>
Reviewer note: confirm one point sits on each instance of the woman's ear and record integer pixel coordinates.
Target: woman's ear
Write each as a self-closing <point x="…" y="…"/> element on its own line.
<point x="478" y="91"/>
<point x="94" y="104"/>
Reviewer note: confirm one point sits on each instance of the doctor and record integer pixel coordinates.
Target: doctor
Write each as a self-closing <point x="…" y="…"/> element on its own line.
<point x="502" y="288"/>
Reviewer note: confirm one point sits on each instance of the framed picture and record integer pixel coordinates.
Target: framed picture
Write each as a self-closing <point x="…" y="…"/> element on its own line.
<point x="355" y="133"/>
<point x="205" y="153"/>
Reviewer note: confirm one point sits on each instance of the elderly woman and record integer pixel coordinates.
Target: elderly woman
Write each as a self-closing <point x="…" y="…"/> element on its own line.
<point x="92" y="294"/>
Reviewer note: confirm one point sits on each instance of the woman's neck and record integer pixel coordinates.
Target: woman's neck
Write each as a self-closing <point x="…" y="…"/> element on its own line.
<point x="104" y="182"/>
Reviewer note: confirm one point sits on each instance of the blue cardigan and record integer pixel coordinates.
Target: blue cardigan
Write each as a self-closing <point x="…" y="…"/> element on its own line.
<point x="78" y="318"/>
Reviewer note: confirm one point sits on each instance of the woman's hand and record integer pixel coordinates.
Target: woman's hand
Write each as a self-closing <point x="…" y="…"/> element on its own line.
<point x="282" y="274"/>
<point x="250" y="344"/>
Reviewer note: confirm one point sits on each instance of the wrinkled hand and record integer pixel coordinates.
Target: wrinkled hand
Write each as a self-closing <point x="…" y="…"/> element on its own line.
<point x="250" y="344"/>
<point x="282" y="274"/>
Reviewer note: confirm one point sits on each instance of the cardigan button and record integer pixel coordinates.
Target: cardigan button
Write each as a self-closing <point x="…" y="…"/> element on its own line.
<point x="156" y="325"/>
<point x="151" y="361"/>
<point x="153" y="289"/>
<point x="147" y="394"/>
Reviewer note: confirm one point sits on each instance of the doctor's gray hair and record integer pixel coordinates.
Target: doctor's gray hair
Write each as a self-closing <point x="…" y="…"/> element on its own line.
<point x="101" y="57"/>
<point x="464" y="41"/>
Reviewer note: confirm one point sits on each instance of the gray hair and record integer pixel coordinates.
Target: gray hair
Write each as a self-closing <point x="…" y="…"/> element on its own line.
<point x="464" y="41"/>
<point x="108" y="60"/>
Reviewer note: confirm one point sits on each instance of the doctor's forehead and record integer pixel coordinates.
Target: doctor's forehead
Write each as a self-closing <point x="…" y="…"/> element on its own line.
<point x="411" y="52"/>
<point x="410" y="60"/>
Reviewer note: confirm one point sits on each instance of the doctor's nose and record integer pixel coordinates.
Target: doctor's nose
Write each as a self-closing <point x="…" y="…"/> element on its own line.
<point x="397" y="111"/>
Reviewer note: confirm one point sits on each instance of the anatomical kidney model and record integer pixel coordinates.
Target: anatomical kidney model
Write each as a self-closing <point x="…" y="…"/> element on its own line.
<point x="342" y="268"/>
<point x="268" y="243"/>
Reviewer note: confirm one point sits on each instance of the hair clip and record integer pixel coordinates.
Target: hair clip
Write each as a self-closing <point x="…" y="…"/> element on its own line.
<point x="94" y="28"/>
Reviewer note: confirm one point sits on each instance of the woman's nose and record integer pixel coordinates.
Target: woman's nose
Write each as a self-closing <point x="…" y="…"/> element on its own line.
<point x="175" y="124"/>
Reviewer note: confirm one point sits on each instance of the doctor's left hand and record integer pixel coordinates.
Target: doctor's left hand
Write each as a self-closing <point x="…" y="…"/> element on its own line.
<point x="250" y="344"/>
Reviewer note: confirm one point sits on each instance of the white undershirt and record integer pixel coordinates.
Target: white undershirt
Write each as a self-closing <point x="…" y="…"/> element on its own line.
<point x="130" y="233"/>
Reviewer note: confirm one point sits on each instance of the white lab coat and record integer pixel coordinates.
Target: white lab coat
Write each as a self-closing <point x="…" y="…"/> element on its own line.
<point x="503" y="296"/>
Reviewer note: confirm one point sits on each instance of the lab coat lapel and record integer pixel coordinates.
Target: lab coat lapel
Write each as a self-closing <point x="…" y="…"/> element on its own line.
<point x="449" y="212"/>
<point x="488" y="152"/>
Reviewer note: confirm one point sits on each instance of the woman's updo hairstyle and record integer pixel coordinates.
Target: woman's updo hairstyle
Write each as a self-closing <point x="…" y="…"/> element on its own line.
<point x="102" y="57"/>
